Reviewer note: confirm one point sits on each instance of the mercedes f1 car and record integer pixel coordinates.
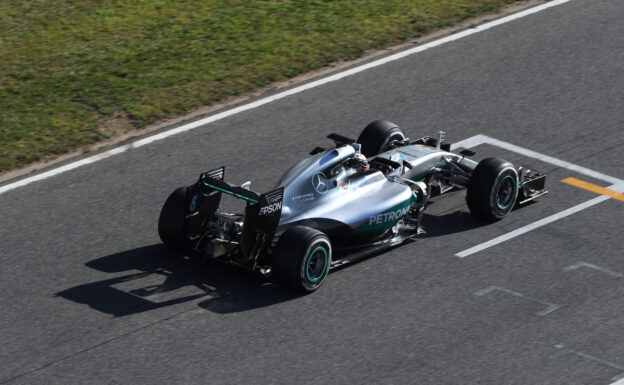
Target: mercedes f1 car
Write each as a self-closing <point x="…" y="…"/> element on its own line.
<point x="339" y="204"/>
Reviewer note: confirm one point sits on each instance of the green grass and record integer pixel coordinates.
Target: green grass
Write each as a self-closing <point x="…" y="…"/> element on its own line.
<point x="66" y="66"/>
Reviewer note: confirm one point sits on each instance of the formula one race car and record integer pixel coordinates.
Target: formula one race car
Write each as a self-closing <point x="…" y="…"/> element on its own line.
<point x="338" y="205"/>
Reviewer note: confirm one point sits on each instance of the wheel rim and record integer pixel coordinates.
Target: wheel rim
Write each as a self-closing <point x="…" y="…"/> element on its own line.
<point x="505" y="192"/>
<point x="316" y="264"/>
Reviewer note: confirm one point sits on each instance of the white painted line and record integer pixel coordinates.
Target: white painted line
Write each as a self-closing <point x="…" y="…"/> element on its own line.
<point x="281" y="95"/>
<point x="477" y="140"/>
<point x="484" y="139"/>
<point x="67" y="167"/>
<point x="531" y="226"/>
<point x="550" y="307"/>
<point x="473" y="141"/>
<point x="549" y="159"/>
<point x="578" y="265"/>
<point x="562" y="351"/>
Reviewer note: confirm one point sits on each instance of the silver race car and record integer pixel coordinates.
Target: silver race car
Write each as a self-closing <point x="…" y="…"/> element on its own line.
<point x="339" y="204"/>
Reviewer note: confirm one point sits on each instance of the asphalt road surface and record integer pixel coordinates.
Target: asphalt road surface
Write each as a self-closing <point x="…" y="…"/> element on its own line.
<point x="89" y="295"/>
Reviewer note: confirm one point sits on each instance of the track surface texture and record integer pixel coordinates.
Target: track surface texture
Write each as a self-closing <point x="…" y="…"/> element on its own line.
<point x="89" y="295"/>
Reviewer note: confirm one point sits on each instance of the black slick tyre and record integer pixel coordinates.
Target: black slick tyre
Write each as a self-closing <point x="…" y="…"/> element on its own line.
<point x="301" y="259"/>
<point x="493" y="189"/>
<point x="171" y="220"/>
<point x="377" y="135"/>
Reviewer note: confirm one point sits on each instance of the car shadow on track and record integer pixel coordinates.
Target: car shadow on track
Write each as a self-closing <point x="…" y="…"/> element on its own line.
<point x="455" y="222"/>
<point x="153" y="277"/>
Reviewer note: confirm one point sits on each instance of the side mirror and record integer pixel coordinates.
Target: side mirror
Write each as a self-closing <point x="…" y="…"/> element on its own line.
<point x="467" y="152"/>
<point x="318" y="150"/>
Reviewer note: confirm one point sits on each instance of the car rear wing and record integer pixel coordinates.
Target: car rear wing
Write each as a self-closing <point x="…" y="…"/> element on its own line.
<point x="262" y="212"/>
<point x="213" y="180"/>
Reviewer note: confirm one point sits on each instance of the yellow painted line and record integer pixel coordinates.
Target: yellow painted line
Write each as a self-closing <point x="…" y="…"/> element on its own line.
<point x="594" y="188"/>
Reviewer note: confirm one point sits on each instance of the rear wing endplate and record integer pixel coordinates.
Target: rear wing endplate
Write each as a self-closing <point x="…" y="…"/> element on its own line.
<point x="262" y="213"/>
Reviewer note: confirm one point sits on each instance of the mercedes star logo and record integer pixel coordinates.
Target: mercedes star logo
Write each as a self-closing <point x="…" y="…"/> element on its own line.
<point x="319" y="182"/>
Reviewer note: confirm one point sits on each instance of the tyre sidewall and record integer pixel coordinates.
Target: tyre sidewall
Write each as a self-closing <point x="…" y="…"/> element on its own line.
<point x="376" y="136"/>
<point x="320" y="244"/>
<point x="292" y="254"/>
<point x="505" y="172"/>
<point x="171" y="220"/>
<point x="484" y="186"/>
<point x="394" y="134"/>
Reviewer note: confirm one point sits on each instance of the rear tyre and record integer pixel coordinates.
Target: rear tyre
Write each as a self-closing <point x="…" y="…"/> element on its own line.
<point x="376" y="137"/>
<point x="301" y="259"/>
<point x="493" y="189"/>
<point x="171" y="220"/>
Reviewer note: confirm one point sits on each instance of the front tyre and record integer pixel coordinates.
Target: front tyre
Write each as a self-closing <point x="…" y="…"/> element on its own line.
<point x="493" y="189"/>
<point x="301" y="259"/>
<point x="377" y="136"/>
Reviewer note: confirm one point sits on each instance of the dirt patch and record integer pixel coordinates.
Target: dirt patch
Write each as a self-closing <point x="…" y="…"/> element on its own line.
<point x="116" y="126"/>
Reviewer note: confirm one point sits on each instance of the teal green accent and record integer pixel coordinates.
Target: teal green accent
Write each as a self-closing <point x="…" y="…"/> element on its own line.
<point x="308" y="264"/>
<point x="378" y="227"/>
<point x="230" y="193"/>
<point x="513" y="197"/>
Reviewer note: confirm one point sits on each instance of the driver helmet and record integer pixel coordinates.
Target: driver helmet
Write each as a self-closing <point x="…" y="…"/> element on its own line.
<point x="360" y="164"/>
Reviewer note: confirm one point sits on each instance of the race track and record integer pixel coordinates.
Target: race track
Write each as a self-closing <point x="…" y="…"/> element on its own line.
<point x="90" y="295"/>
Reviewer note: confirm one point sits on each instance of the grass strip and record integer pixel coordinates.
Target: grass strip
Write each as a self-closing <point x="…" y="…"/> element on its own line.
<point x="67" y="67"/>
